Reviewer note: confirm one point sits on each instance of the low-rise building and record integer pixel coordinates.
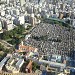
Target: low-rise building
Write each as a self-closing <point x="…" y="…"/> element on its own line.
<point x="19" y="63"/>
<point x="54" y="62"/>
<point x="49" y="71"/>
<point x="14" y="64"/>
<point x="29" y="67"/>
<point x="3" y="62"/>
<point x="24" y="48"/>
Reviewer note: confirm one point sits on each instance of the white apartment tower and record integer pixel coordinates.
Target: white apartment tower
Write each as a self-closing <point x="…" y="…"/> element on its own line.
<point x="0" y="25"/>
<point x="7" y="1"/>
<point x="22" y="2"/>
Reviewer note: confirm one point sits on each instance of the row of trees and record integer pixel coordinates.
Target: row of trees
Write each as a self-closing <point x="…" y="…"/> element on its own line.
<point x="53" y="21"/>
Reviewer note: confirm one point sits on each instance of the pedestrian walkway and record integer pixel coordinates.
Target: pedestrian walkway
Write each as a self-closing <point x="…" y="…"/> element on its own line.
<point x="6" y="73"/>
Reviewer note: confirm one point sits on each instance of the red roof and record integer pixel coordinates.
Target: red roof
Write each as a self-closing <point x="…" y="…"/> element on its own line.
<point x="25" y="48"/>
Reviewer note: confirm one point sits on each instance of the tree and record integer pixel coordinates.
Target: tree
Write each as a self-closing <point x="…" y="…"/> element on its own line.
<point x="35" y="66"/>
<point x="1" y="47"/>
<point x="5" y="35"/>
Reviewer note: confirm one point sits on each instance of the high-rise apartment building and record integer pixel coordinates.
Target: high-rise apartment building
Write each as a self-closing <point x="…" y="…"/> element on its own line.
<point x="22" y="2"/>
